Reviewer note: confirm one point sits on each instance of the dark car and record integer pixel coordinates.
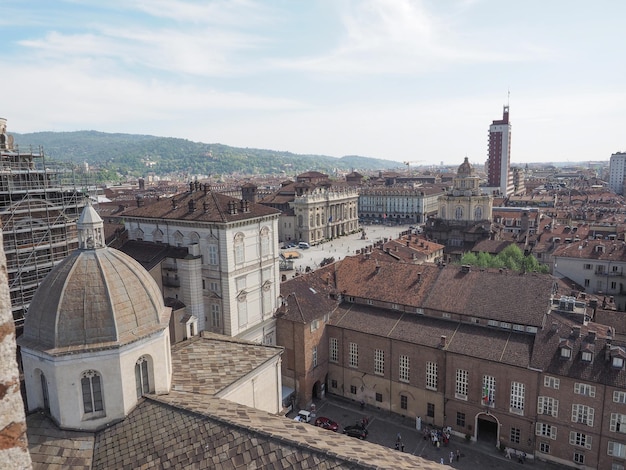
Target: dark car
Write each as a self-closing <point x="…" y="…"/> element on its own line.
<point x="355" y="431"/>
<point x="326" y="423"/>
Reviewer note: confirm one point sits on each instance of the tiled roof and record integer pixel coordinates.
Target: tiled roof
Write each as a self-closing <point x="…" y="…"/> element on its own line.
<point x="51" y="448"/>
<point x="207" y="207"/>
<point x="308" y="297"/>
<point x="149" y="254"/>
<point x="181" y="430"/>
<point x="209" y="363"/>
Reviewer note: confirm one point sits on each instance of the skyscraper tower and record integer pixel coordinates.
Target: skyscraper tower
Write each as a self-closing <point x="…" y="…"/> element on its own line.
<point x="39" y="206"/>
<point x="499" y="163"/>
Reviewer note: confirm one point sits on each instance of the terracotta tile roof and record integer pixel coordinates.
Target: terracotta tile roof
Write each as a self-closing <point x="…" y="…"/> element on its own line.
<point x="498" y="295"/>
<point x="308" y="297"/>
<point x="477" y="341"/>
<point x="207" y="207"/>
<point x="560" y="331"/>
<point x="209" y="363"/>
<point x="605" y="250"/>
<point x="491" y="246"/>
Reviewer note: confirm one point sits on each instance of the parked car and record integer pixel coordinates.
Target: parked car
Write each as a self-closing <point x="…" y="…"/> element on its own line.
<point x="326" y="423"/>
<point x="355" y="430"/>
<point x="304" y="246"/>
<point x="288" y="245"/>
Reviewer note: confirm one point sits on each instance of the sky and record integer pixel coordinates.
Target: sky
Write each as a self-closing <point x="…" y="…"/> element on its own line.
<point x="404" y="80"/>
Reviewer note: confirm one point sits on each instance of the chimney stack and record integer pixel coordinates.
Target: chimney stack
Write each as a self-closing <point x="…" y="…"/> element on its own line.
<point x="442" y="341"/>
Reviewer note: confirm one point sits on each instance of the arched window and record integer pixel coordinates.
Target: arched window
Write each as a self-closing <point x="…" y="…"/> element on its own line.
<point x="194" y="237"/>
<point x="317" y="219"/>
<point x="44" y="392"/>
<point x="178" y="238"/>
<point x="157" y="235"/>
<point x="239" y="248"/>
<point x="443" y="212"/>
<point x="142" y="381"/>
<point x="300" y="221"/>
<point x="138" y="234"/>
<point x="478" y="213"/>
<point x="458" y="214"/>
<point x="91" y="385"/>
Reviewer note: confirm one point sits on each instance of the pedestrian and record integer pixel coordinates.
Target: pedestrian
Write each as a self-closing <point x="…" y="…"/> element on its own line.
<point x="458" y="455"/>
<point x="402" y="447"/>
<point x="451" y="456"/>
<point x="441" y="460"/>
<point x="398" y="437"/>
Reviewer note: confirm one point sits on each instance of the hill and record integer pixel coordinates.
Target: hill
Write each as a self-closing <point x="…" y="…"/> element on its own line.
<point x="132" y="154"/>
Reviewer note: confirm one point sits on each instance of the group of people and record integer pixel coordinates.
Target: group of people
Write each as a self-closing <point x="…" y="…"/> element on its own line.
<point x="437" y="436"/>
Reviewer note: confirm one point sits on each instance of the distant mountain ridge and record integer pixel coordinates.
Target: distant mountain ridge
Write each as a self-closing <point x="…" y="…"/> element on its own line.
<point x="137" y="154"/>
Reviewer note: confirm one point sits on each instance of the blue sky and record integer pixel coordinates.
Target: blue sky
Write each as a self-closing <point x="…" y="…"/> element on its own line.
<point x="396" y="79"/>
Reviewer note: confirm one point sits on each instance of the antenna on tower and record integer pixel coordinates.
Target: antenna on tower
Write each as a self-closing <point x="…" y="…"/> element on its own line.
<point x="508" y="96"/>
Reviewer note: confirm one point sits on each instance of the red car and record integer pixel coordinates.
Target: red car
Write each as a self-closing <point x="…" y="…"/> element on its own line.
<point x="326" y="423"/>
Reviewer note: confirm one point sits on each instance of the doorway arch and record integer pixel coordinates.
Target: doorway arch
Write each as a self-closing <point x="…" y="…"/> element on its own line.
<point x="487" y="428"/>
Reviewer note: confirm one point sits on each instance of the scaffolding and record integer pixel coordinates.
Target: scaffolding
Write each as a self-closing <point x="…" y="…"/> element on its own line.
<point x="39" y="206"/>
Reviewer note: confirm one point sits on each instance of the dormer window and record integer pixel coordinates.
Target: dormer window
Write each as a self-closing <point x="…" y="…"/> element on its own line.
<point x="586" y="356"/>
<point x="618" y="362"/>
<point x="566" y="352"/>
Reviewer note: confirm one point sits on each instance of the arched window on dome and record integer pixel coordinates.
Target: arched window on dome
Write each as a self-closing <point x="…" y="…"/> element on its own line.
<point x="478" y="213"/>
<point x="458" y="213"/>
<point x="142" y="376"/>
<point x="44" y="392"/>
<point x="93" y="402"/>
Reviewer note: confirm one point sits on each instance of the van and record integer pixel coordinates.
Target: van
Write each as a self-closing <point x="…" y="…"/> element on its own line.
<point x="304" y="246"/>
<point x="303" y="416"/>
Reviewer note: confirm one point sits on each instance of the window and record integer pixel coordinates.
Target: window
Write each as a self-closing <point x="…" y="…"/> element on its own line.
<point x="92" y="392"/>
<point x="334" y="350"/>
<point x="265" y="241"/>
<point x="566" y="352"/>
<point x="239" y="248"/>
<point x="353" y="389"/>
<point x="551" y="382"/>
<point x="430" y="410"/>
<point x="582" y="414"/>
<point x="586" y="356"/>
<point x="379" y="362"/>
<point x="214" y="287"/>
<point x="460" y="419"/>
<point x="617" y="466"/>
<point x="354" y="355"/>
<point x="546" y="430"/>
<point x="544" y="447"/>
<point x="142" y="383"/>
<point x="404" y="402"/>
<point x="379" y="397"/>
<point x="617" y="450"/>
<point x="619" y="397"/>
<point x="489" y="390"/>
<point x="580" y="439"/>
<point x="431" y="375"/>
<point x="618" y="423"/>
<point x="515" y="435"/>
<point x="315" y="324"/>
<point x="215" y="316"/>
<point x="213" y="255"/>
<point x="517" y="398"/>
<point x="548" y="406"/>
<point x="585" y="389"/>
<point x="333" y="383"/>
<point x="461" y="384"/>
<point x="618" y="362"/>
<point x="579" y="458"/>
<point x="586" y="266"/>
<point x="314" y="356"/>
<point x="404" y="368"/>
<point x="586" y="282"/>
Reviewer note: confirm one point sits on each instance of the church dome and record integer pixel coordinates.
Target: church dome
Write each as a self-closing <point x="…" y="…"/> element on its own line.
<point x="465" y="168"/>
<point x="97" y="297"/>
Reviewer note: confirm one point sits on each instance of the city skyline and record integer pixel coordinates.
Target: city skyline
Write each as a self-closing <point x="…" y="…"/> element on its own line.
<point x="403" y="80"/>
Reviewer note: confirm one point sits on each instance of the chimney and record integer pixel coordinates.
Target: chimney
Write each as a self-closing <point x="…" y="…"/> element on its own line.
<point x="206" y="188"/>
<point x="377" y="270"/>
<point x="192" y="205"/>
<point x="173" y="203"/>
<point x="576" y="331"/>
<point x="607" y="351"/>
<point x="139" y="199"/>
<point x="555" y="326"/>
<point x="205" y="207"/>
<point x="419" y="277"/>
<point x="191" y="186"/>
<point x="442" y="341"/>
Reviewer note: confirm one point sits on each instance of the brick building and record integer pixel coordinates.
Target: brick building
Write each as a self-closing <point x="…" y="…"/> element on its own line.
<point x="498" y="356"/>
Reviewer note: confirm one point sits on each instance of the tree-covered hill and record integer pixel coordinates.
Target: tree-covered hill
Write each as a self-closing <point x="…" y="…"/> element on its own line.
<point x="131" y="154"/>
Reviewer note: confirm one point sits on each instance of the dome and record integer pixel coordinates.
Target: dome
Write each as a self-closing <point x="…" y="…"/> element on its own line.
<point x="465" y="168"/>
<point x="97" y="297"/>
